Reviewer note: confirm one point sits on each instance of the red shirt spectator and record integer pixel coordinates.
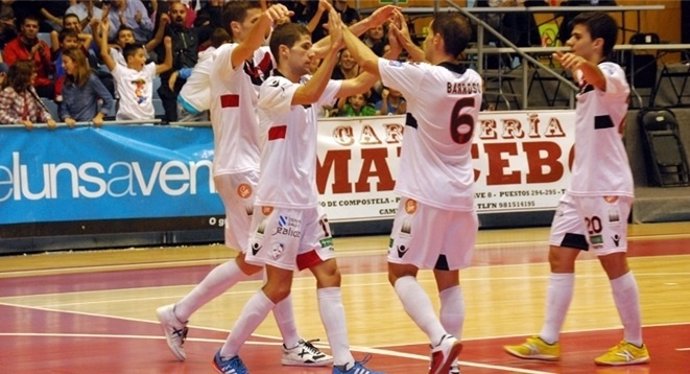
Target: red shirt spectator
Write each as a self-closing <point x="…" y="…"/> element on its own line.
<point x="27" y="46"/>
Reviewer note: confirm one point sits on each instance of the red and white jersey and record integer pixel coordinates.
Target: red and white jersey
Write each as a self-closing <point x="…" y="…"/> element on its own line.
<point x="289" y="133"/>
<point x="233" y="109"/>
<point x="601" y="164"/>
<point x="443" y="103"/>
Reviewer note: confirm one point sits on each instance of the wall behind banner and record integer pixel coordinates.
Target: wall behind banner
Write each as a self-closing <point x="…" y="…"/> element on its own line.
<point x="128" y="185"/>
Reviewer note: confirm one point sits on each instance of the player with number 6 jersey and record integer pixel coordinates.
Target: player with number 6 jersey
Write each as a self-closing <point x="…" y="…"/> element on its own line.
<point x="436" y="223"/>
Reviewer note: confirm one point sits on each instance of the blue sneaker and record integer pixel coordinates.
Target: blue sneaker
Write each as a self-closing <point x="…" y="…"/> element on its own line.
<point x="230" y="366"/>
<point x="357" y="368"/>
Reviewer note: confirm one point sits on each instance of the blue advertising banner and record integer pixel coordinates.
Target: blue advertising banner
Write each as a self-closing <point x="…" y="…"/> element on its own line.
<point x="114" y="172"/>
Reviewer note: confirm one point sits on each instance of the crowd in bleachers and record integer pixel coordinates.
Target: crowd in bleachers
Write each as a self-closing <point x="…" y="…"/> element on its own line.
<point x="137" y="60"/>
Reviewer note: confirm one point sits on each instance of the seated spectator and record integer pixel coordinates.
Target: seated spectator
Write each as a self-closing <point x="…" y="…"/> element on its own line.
<point x="194" y="99"/>
<point x="8" y="27"/>
<point x="133" y="14"/>
<point x="3" y="74"/>
<point x="19" y="102"/>
<point x="68" y="38"/>
<point x="356" y="106"/>
<point x="392" y="102"/>
<point x="134" y="82"/>
<point x="70" y="22"/>
<point x="85" y="11"/>
<point x="83" y="91"/>
<point x="376" y="39"/>
<point x="27" y="46"/>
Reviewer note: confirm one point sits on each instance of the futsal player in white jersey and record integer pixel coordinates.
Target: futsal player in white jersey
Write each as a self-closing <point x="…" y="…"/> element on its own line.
<point x="436" y="223"/>
<point x="289" y="228"/>
<point x="593" y="213"/>
<point x="237" y="71"/>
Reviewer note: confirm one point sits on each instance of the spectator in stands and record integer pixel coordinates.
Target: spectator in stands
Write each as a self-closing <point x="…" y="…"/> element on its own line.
<point x="82" y="91"/>
<point x="356" y="106"/>
<point x="207" y="20"/>
<point x="70" y="22"/>
<point x="19" y="102"/>
<point x="134" y="82"/>
<point x="85" y="11"/>
<point x="185" y="44"/>
<point x="392" y="102"/>
<point x="3" y="73"/>
<point x="375" y="38"/>
<point x="8" y="27"/>
<point x="350" y="16"/>
<point x="27" y="46"/>
<point x="133" y="14"/>
<point x="68" y="38"/>
<point x="194" y="99"/>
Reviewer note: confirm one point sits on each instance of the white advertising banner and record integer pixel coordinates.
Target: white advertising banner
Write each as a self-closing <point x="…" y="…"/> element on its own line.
<point x="522" y="163"/>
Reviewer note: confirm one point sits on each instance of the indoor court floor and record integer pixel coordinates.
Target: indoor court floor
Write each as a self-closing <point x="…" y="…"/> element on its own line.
<point x="94" y="311"/>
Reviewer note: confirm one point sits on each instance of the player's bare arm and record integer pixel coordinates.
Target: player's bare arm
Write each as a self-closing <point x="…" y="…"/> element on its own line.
<point x="257" y="35"/>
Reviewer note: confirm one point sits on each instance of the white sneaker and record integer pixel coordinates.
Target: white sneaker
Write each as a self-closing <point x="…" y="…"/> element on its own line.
<point x="444" y="354"/>
<point x="305" y="354"/>
<point x="174" y="330"/>
<point x="455" y="368"/>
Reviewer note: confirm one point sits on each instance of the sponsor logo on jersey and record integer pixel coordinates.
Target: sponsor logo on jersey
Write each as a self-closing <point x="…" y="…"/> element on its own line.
<point x="244" y="190"/>
<point x="410" y="206"/>
<point x="395" y="63"/>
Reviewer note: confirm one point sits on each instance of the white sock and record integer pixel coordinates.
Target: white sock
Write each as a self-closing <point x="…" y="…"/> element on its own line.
<point x="253" y="313"/>
<point x="627" y="299"/>
<point x="285" y="318"/>
<point x="215" y="283"/>
<point x="559" y="293"/>
<point x="452" y="310"/>
<point x="418" y="305"/>
<point x="333" y="318"/>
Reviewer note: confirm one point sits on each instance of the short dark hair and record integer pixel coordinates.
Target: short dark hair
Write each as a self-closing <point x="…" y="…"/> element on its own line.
<point x="64" y="33"/>
<point x="219" y="37"/>
<point x="131" y="49"/>
<point x="600" y="25"/>
<point x="236" y="11"/>
<point x="455" y="31"/>
<point x="286" y="34"/>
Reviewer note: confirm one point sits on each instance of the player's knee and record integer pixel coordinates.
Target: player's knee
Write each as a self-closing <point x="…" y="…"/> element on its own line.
<point x="277" y="292"/>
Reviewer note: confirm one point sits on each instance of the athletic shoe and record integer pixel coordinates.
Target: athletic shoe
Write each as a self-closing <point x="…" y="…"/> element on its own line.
<point x="305" y="354"/>
<point x="535" y="348"/>
<point x="232" y="365"/>
<point x="174" y="330"/>
<point x="357" y="368"/>
<point x="624" y="354"/>
<point x="455" y="368"/>
<point x="444" y="354"/>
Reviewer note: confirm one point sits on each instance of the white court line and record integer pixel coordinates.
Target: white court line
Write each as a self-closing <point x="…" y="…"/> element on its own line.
<point x="378" y="351"/>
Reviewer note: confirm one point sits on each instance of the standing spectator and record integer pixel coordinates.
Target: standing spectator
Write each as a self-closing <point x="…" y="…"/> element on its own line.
<point x="133" y="14"/>
<point x="134" y="82"/>
<point x="593" y="213"/>
<point x="86" y="11"/>
<point x="27" y="46"/>
<point x="185" y="44"/>
<point x="436" y="223"/>
<point x="19" y="102"/>
<point x="82" y="91"/>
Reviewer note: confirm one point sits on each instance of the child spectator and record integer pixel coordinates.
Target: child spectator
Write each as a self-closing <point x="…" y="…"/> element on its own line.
<point x="19" y="102"/>
<point x="82" y="91"/>
<point x="134" y="82"/>
<point x="392" y="102"/>
<point x="356" y="106"/>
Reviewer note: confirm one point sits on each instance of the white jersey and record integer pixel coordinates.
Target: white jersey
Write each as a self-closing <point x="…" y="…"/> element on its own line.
<point x="135" y="89"/>
<point x="601" y="164"/>
<point x="233" y="109"/>
<point x="196" y="91"/>
<point x="443" y="103"/>
<point x="289" y="135"/>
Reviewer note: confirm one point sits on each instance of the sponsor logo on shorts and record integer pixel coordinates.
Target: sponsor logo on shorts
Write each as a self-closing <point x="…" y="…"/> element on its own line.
<point x="616" y="239"/>
<point x="256" y="247"/>
<point x="596" y="240"/>
<point x="406" y="227"/>
<point x="326" y="243"/>
<point x="244" y="190"/>
<point x="277" y="250"/>
<point x="610" y="199"/>
<point x="266" y="210"/>
<point x="410" y="206"/>
<point x="614" y="216"/>
<point x="402" y="249"/>
<point x="288" y="226"/>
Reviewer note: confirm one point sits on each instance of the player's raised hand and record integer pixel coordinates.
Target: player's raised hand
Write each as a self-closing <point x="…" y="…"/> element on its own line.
<point x="383" y="14"/>
<point x="569" y="60"/>
<point x="335" y="29"/>
<point x="279" y="14"/>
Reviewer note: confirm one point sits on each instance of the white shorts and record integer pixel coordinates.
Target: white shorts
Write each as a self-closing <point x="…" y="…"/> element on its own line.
<point x="237" y="193"/>
<point x="432" y="238"/>
<point x="596" y="222"/>
<point x="289" y="238"/>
